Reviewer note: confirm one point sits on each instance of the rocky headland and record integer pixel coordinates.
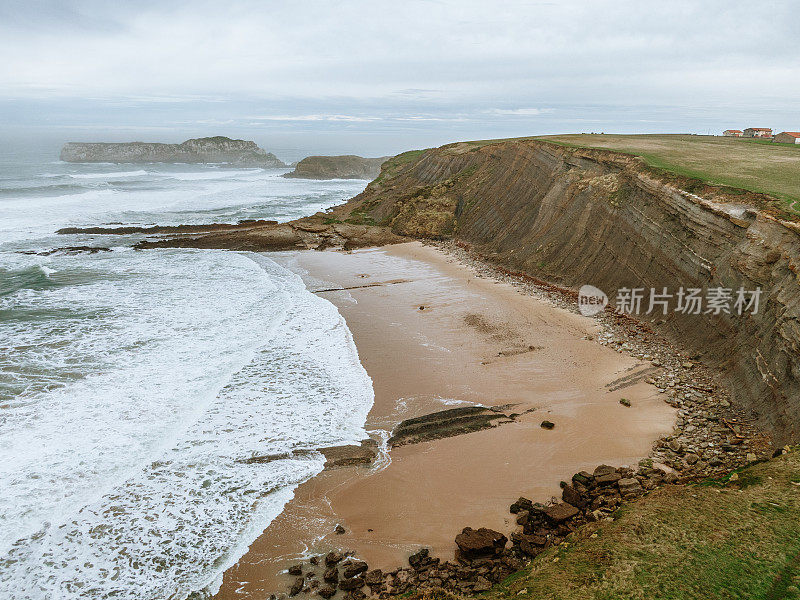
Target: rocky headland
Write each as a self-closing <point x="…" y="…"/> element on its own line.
<point x="337" y="167"/>
<point x="219" y="149"/>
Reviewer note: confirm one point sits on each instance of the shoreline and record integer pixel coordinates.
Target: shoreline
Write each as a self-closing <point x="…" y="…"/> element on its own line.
<point x="442" y="501"/>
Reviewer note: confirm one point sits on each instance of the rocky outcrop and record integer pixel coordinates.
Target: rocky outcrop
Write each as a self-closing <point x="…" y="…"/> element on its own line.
<point x="314" y="233"/>
<point x="578" y="216"/>
<point x="447" y="423"/>
<point x="219" y="149"/>
<point x="337" y="167"/>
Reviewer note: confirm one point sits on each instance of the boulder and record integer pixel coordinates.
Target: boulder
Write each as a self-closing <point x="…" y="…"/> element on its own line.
<point x="572" y="496"/>
<point x="558" y="513"/>
<point x="297" y="586"/>
<point x="354" y="583"/>
<point x="351" y="568"/>
<point x="521" y="504"/>
<point x="327" y="591"/>
<point x="331" y="575"/>
<point x="296" y="570"/>
<point x="333" y="557"/>
<point x="475" y="543"/>
<point x="606" y="475"/>
<point x="418" y="559"/>
<point x="629" y="487"/>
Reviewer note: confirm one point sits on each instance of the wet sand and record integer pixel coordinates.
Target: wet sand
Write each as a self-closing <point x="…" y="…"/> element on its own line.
<point x="474" y="341"/>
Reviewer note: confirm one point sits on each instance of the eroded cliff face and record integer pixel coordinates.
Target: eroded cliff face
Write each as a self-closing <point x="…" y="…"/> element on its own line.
<point x="241" y="153"/>
<point x="577" y="216"/>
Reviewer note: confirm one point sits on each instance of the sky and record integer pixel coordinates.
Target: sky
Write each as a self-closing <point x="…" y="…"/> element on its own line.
<point x="375" y="77"/>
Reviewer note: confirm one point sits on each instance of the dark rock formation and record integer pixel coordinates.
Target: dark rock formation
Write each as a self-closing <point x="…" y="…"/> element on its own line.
<point x="337" y="167"/>
<point x="348" y="456"/>
<point x="353" y="567"/>
<point x="446" y="423"/>
<point x="478" y="543"/>
<point x="69" y="250"/>
<point x="240" y="153"/>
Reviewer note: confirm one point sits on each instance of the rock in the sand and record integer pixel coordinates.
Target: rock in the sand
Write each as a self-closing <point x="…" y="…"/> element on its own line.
<point x="331" y="575"/>
<point x="327" y="591"/>
<point x="558" y="513"/>
<point x="354" y="583"/>
<point x="297" y="586"/>
<point x="476" y="543"/>
<point x="351" y="568"/>
<point x="547" y="425"/>
<point x="333" y="557"/>
<point x="340" y="530"/>
<point x="350" y="455"/>
<point x="314" y="560"/>
<point x="521" y="504"/>
<point x="296" y="570"/>
<point x="419" y="558"/>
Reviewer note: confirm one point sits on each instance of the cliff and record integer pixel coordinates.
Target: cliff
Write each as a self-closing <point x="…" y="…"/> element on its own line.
<point x="240" y="153"/>
<point x="337" y="167"/>
<point x="577" y="216"/>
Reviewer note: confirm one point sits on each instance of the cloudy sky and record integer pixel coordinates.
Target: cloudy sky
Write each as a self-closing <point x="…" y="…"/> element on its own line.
<point x="379" y="77"/>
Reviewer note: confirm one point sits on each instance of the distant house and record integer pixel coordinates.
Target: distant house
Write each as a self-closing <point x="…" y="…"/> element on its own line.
<point x="787" y="137"/>
<point x="758" y="132"/>
<point x="732" y="133"/>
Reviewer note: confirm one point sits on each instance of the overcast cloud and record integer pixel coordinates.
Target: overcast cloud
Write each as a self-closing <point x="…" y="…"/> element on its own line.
<point x="395" y="72"/>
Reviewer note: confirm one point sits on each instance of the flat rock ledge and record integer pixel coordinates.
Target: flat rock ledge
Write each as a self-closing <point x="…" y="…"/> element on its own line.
<point x="447" y="423"/>
<point x="313" y="233"/>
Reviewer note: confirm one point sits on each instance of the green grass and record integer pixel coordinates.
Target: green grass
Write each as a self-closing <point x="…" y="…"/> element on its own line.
<point x="712" y="542"/>
<point x="392" y="165"/>
<point x="749" y="164"/>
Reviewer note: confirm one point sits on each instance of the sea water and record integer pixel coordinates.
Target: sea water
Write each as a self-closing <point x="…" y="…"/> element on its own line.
<point x="135" y="385"/>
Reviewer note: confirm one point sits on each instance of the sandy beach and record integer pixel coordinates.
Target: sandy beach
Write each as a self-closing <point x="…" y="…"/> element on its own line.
<point x="432" y="335"/>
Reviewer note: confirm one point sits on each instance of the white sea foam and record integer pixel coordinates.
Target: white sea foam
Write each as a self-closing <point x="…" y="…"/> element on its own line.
<point x="134" y="386"/>
<point x="213" y="174"/>
<point x="127" y="475"/>
<point x="114" y="175"/>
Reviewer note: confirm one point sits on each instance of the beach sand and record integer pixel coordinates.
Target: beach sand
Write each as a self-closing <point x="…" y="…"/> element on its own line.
<point x="475" y="340"/>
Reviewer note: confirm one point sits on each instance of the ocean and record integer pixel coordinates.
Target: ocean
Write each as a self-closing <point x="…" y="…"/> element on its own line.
<point x="135" y="385"/>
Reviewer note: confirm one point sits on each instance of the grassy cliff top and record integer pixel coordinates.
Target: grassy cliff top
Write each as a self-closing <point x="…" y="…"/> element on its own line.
<point x="750" y="164"/>
<point x="718" y="539"/>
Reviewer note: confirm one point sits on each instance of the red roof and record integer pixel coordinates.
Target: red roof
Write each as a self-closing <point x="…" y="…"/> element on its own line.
<point x="758" y="129"/>
<point x="733" y="131"/>
<point x="791" y="133"/>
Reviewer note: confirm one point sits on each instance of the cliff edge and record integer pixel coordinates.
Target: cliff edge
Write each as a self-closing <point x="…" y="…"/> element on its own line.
<point x="337" y="167"/>
<point x="240" y="153"/>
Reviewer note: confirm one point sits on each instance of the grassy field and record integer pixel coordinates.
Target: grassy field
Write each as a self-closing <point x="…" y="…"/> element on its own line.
<point x="755" y="165"/>
<point x="712" y="541"/>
